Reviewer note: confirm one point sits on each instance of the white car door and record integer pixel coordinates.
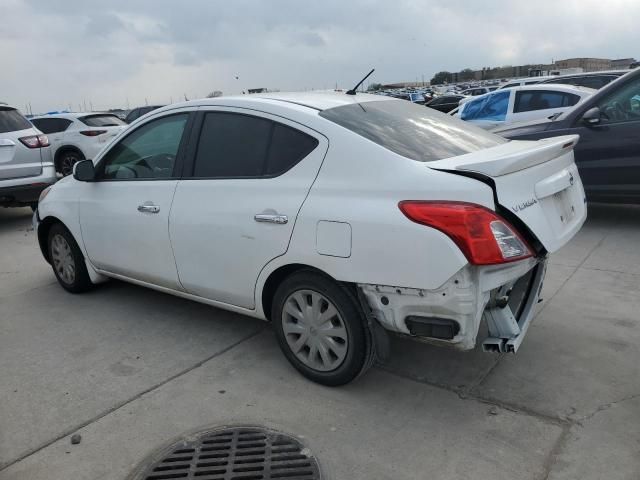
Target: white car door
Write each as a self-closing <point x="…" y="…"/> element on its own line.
<point x="236" y="206"/>
<point x="124" y="213"/>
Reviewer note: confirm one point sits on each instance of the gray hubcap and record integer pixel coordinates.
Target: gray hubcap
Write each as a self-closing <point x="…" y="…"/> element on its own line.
<point x="62" y="258"/>
<point x="314" y="330"/>
<point x="66" y="164"/>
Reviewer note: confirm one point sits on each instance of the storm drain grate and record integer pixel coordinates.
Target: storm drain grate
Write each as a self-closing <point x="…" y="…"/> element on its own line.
<point x="238" y="453"/>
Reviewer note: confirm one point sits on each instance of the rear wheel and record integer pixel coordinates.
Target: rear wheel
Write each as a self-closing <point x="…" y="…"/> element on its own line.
<point x="67" y="260"/>
<point x="321" y="328"/>
<point x="66" y="161"/>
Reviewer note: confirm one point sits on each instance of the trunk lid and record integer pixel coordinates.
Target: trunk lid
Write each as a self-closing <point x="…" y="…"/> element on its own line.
<point x="536" y="181"/>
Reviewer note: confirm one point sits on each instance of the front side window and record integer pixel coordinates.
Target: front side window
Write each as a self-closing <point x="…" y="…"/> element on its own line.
<point x="528" y="101"/>
<point x="149" y="152"/>
<point x="623" y="105"/>
<point x="489" y="107"/>
<point x="235" y="145"/>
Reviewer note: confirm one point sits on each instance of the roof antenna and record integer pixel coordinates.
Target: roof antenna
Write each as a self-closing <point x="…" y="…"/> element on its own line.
<point x="353" y="90"/>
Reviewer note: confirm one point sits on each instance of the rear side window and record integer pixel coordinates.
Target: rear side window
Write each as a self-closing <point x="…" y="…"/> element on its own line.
<point x="288" y="147"/>
<point x="528" y="101"/>
<point x="234" y="145"/>
<point x="101" y="121"/>
<point x="412" y="131"/>
<point x="51" y="125"/>
<point x="11" y="120"/>
<point x="490" y="107"/>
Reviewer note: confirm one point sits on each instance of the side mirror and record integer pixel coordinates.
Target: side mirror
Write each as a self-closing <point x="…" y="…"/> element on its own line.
<point x="84" y="171"/>
<point x="591" y="116"/>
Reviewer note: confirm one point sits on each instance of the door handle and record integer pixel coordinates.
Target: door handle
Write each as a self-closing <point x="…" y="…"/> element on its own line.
<point x="146" y="208"/>
<point x="271" y="218"/>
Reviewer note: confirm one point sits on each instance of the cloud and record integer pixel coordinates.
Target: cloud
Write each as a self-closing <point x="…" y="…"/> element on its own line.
<point x="61" y="52"/>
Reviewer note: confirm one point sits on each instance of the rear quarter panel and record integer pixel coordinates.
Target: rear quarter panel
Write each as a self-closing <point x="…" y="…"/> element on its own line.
<point x="360" y="184"/>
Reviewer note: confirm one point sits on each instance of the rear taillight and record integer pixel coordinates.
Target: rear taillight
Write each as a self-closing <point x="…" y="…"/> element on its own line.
<point x="92" y="133"/>
<point x="483" y="236"/>
<point x="35" y="141"/>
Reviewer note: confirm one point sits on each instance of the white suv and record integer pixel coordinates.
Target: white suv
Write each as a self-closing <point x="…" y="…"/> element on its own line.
<point x="334" y="216"/>
<point x="76" y="136"/>
<point x="26" y="165"/>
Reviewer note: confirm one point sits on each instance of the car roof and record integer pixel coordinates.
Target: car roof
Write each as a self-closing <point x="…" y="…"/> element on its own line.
<point x="552" y="86"/>
<point x="70" y="115"/>
<point x="308" y="100"/>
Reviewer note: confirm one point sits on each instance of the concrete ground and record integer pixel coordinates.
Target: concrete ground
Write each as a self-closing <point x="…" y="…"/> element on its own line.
<point x="130" y="369"/>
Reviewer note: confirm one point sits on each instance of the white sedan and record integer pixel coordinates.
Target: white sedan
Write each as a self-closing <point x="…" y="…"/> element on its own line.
<point x="335" y="217"/>
<point x="520" y="104"/>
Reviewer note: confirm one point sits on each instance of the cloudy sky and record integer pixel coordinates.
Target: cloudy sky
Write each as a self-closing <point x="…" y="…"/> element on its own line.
<point x="60" y="53"/>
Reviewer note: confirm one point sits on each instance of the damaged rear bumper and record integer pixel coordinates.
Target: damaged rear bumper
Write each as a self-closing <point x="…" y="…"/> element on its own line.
<point x="504" y="296"/>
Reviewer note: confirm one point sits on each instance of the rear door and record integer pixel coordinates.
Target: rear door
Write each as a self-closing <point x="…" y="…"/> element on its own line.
<point x="236" y="207"/>
<point x="16" y="159"/>
<point x="54" y="128"/>
<point x="534" y="104"/>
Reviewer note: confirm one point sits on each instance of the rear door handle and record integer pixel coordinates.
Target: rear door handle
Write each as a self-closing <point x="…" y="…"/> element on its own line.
<point x="271" y="218"/>
<point x="147" y="208"/>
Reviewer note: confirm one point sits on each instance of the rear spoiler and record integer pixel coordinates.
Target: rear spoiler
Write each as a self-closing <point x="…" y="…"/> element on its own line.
<point x="509" y="157"/>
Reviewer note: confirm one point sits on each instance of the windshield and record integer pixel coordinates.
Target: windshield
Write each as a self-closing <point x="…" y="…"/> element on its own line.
<point x="101" y="121"/>
<point x="410" y="130"/>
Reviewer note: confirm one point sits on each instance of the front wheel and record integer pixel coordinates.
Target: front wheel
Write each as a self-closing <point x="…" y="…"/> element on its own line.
<point x="321" y="328"/>
<point x="67" y="260"/>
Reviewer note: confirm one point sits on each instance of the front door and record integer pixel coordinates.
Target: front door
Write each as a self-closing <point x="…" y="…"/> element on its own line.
<point x="124" y="214"/>
<point x="249" y="178"/>
<point x="608" y="153"/>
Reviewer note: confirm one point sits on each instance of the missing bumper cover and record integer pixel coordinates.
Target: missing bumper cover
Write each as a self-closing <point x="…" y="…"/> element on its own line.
<point x="441" y="328"/>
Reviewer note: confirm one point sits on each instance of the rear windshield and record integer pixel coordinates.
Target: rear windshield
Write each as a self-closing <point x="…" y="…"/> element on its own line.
<point x="101" y="121"/>
<point x="413" y="131"/>
<point x="12" y="120"/>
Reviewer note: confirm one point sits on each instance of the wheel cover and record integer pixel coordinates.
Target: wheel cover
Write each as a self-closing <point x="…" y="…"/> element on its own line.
<point x="66" y="164"/>
<point x="314" y="330"/>
<point x="63" y="262"/>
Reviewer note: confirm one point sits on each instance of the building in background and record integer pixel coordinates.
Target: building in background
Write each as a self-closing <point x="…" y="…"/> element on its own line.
<point x="586" y="64"/>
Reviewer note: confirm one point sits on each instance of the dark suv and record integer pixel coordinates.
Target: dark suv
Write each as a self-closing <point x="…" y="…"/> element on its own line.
<point x="595" y="80"/>
<point x="140" y="111"/>
<point x="608" y="153"/>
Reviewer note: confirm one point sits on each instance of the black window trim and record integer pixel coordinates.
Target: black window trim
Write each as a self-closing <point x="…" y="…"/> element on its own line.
<point x="198" y="124"/>
<point x="178" y="166"/>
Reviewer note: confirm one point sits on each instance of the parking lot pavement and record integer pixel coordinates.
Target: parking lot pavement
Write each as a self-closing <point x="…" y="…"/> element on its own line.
<point x="130" y="369"/>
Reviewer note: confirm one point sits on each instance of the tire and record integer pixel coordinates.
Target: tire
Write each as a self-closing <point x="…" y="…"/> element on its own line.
<point x="67" y="260"/>
<point x="340" y="341"/>
<point x="67" y="160"/>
